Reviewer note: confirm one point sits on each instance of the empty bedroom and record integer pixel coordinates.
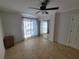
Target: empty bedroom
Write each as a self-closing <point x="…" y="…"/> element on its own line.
<point x="39" y="29"/>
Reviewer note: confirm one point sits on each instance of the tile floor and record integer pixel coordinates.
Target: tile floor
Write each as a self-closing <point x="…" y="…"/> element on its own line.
<point x="39" y="48"/>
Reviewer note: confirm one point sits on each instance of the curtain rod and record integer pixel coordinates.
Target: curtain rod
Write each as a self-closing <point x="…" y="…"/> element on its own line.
<point x="29" y="17"/>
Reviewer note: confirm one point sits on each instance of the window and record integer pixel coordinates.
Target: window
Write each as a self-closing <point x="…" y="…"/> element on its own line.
<point x="43" y="27"/>
<point x="30" y="27"/>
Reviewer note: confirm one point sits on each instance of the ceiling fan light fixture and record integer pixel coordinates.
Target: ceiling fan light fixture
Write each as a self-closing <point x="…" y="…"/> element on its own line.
<point x="46" y="12"/>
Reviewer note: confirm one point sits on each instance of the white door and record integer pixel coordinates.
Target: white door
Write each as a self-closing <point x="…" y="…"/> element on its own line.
<point x="74" y="32"/>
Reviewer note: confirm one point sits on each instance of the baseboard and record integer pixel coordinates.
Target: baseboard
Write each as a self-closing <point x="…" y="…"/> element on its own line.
<point x="19" y="41"/>
<point x="4" y="54"/>
<point x="67" y="46"/>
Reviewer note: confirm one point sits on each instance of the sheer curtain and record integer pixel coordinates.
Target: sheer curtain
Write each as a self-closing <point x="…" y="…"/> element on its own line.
<point x="30" y="27"/>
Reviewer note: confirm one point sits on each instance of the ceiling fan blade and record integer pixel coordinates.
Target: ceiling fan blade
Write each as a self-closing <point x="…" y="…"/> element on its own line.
<point x="34" y="8"/>
<point x="37" y="12"/>
<point x="54" y="8"/>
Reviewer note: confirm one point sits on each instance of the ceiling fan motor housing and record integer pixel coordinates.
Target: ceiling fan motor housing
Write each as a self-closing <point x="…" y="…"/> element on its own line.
<point x="43" y="7"/>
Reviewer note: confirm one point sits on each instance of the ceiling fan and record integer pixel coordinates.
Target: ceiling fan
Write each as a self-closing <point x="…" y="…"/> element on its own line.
<point x="43" y="8"/>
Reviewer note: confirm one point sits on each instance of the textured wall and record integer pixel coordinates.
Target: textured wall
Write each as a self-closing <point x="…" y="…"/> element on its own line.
<point x="12" y="25"/>
<point x="2" y="50"/>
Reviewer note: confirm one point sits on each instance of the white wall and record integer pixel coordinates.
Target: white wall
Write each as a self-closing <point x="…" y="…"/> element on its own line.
<point x="62" y="24"/>
<point x="12" y="25"/>
<point x="62" y="20"/>
<point x="2" y="50"/>
<point x="51" y="26"/>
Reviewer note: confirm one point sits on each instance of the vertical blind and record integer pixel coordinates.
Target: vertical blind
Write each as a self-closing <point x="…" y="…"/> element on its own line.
<point x="43" y="27"/>
<point x="30" y="27"/>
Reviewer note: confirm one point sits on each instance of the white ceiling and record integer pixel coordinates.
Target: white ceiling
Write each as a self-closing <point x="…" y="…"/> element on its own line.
<point x="22" y="5"/>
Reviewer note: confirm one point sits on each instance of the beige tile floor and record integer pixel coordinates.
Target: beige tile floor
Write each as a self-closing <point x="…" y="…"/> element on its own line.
<point x="39" y="48"/>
